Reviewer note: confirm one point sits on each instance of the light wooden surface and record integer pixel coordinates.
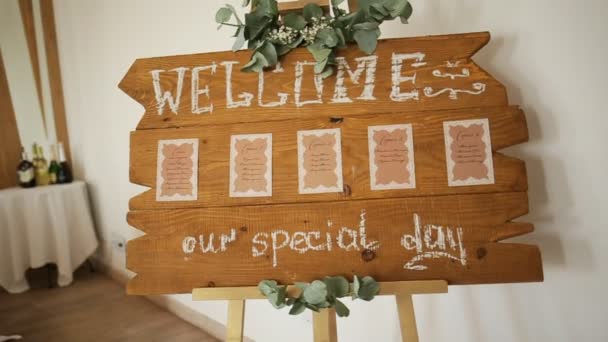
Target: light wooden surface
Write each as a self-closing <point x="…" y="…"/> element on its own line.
<point x="324" y="326"/>
<point x="10" y="143"/>
<point x="138" y="84"/>
<point x="158" y="256"/>
<point x="508" y="126"/>
<point x="236" y="320"/>
<point x="93" y="308"/>
<point x="27" y="17"/>
<point x="288" y="6"/>
<point x="54" y="71"/>
<point x="407" y="318"/>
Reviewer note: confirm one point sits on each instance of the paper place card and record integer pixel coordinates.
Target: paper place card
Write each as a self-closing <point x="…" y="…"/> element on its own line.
<point x="177" y="170"/>
<point x="468" y="151"/>
<point x="319" y="161"/>
<point x="391" y="157"/>
<point x="251" y="165"/>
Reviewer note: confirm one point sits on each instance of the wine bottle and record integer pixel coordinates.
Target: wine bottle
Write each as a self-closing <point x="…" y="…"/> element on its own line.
<point x="54" y="166"/>
<point x="65" y="172"/>
<point x="41" y="167"/>
<point x="25" y="171"/>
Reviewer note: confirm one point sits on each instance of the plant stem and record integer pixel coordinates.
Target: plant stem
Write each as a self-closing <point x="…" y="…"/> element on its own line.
<point x="233" y="25"/>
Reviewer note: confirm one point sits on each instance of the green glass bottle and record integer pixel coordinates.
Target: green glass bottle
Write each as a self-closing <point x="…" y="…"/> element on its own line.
<point x="54" y="168"/>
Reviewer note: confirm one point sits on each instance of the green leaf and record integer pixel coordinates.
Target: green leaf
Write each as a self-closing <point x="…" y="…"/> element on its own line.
<point x="367" y="26"/>
<point x="297" y="308"/>
<point x="356" y="287"/>
<point x="269" y="52"/>
<point x="240" y="39"/>
<point x="336" y="2"/>
<point x="369" y="288"/>
<point x="329" y="70"/>
<point x="328" y="37"/>
<point x="319" y="68"/>
<point x="267" y="286"/>
<point x="315" y="293"/>
<point x="312" y="307"/>
<point x="341" y="309"/>
<point x="223" y="15"/>
<point x="295" y="21"/>
<point x="255" y="25"/>
<point x="367" y="40"/>
<point x="312" y="10"/>
<point x="319" y="53"/>
<point x="407" y="13"/>
<point x="256" y="64"/>
<point x="395" y="7"/>
<point x="337" y="287"/>
<point x="341" y="38"/>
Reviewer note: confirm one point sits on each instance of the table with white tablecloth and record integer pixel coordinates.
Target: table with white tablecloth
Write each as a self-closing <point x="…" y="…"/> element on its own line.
<point x="43" y="225"/>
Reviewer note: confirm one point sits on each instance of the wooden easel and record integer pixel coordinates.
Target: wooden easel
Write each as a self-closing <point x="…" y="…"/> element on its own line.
<point x="324" y="322"/>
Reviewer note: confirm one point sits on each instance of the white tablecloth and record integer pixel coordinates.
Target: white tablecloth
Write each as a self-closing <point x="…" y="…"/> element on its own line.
<point x="50" y="224"/>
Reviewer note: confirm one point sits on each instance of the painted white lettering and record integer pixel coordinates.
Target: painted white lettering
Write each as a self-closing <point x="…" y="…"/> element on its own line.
<point x="318" y="79"/>
<point x="256" y="240"/>
<point x="188" y="244"/>
<point x="372" y="245"/>
<point x="353" y="239"/>
<point x="396" y="67"/>
<point x="245" y="97"/>
<point x="433" y="249"/>
<point x="197" y="91"/>
<point x="299" y="238"/>
<point x="162" y="97"/>
<point x="367" y="64"/>
<point x="282" y="96"/>
<point x="276" y="247"/>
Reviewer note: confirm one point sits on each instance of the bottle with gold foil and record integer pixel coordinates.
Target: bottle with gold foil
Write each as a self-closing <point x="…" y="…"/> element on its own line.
<point x="41" y="167"/>
<point x="54" y="168"/>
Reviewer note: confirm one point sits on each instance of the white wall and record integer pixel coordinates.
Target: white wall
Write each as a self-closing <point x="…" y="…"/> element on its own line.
<point x="550" y="53"/>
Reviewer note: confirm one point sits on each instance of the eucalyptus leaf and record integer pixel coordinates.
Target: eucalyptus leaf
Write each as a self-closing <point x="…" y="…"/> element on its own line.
<point x="267" y="286"/>
<point x="367" y="26"/>
<point x="336" y="2"/>
<point x="312" y="10"/>
<point x="223" y="15"/>
<point x="341" y="309"/>
<point x="297" y="308"/>
<point x="337" y="287"/>
<point x="240" y="39"/>
<point x="328" y="37"/>
<point x="315" y="293"/>
<point x="270" y="53"/>
<point x="369" y="289"/>
<point x="407" y="13"/>
<point x="312" y="307"/>
<point x="329" y="70"/>
<point x="294" y="20"/>
<point x="255" y="25"/>
<point x="367" y="40"/>
<point x="256" y="64"/>
<point x="319" y="53"/>
<point x="356" y="287"/>
<point x="395" y="7"/>
<point x="319" y="67"/>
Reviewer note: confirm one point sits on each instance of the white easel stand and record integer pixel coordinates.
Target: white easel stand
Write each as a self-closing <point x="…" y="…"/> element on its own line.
<point x="324" y="322"/>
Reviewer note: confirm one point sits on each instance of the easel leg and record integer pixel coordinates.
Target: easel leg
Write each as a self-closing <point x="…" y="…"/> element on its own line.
<point x="407" y="318"/>
<point x="236" y="320"/>
<point x="324" y="326"/>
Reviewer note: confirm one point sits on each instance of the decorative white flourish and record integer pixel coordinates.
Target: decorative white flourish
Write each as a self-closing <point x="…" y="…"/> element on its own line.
<point x="452" y="65"/>
<point x="478" y="88"/>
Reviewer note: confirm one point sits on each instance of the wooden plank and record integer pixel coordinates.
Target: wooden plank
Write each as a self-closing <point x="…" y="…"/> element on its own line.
<point x="10" y="143"/>
<point x="27" y="17"/>
<point x="437" y="69"/>
<point x="324" y="326"/>
<point x="236" y="321"/>
<point x="54" y="70"/>
<point x="390" y="288"/>
<point x="164" y="266"/>
<point x="407" y="318"/>
<point x="507" y="124"/>
<point x="296" y="5"/>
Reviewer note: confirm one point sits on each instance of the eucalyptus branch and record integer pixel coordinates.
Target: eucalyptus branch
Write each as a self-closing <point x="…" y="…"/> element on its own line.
<point x="320" y="294"/>
<point x="272" y="36"/>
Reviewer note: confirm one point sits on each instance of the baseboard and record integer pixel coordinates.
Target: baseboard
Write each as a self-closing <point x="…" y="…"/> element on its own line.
<point x="199" y="320"/>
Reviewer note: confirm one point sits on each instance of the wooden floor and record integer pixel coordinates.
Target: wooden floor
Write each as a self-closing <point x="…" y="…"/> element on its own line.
<point x="93" y="308"/>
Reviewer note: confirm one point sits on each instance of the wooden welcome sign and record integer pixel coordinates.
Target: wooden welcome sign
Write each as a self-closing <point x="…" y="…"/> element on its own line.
<point x="389" y="168"/>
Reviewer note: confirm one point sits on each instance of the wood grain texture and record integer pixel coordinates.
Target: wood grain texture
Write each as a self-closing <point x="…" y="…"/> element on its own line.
<point x="163" y="266"/>
<point x="10" y="143"/>
<point x="433" y="214"/>
<point x="54" y="70"/>
<point x="27" y="17"/>
<point x="438" y="50"/>
<point x="508" y="127"/>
